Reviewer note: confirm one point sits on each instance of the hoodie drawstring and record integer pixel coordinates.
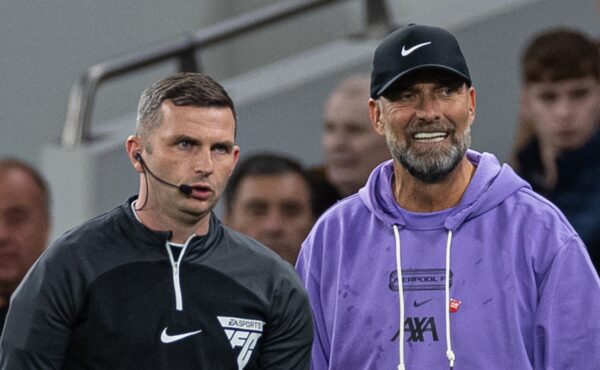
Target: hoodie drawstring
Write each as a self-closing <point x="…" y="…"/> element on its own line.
<point x="449" y="353"/>
<point x="401" y="297"/>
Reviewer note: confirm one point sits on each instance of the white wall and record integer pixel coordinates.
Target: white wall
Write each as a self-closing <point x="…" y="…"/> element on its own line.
<point x="46" y="45"/>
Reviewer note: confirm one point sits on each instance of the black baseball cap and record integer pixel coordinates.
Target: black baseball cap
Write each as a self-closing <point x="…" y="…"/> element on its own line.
<point x="412" y="48"/>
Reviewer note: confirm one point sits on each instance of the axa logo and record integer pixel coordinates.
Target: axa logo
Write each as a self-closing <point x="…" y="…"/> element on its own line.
<point x="242" y="333"/>
<point x="419" y="329"/>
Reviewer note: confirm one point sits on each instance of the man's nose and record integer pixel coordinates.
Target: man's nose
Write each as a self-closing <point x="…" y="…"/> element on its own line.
<point x="273" y="222"/>
<point x="562" y="108"/>
<point x="204" y="163"/>
<point x="428" y="108"/>
<point x="338" y="139"/>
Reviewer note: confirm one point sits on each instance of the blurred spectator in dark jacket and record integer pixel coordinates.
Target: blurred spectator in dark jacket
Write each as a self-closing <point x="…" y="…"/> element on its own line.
<point x="557" y="147"/>
<point x="24" y="224"/>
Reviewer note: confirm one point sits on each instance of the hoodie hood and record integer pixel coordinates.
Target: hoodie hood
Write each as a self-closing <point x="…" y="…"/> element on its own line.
<point x="490" y="186"/>
<point x="501" y="263"/>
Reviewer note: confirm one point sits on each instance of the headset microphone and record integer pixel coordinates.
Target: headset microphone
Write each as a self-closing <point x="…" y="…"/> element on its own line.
<point x="185" y="189"/>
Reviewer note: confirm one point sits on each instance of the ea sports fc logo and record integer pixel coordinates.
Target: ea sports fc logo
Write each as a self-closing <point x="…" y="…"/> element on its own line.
<point x="242" y="333"/>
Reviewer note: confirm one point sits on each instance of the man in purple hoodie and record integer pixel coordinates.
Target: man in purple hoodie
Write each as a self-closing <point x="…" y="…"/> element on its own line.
<point x="446" y="258"/>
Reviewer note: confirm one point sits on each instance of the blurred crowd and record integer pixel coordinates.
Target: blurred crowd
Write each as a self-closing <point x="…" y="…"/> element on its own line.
<point x="277" y="199"/>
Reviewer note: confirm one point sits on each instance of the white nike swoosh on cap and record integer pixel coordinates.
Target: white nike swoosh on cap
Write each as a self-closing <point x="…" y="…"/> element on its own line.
<point x="406" y="52"/>
<point x="166" y="338"/>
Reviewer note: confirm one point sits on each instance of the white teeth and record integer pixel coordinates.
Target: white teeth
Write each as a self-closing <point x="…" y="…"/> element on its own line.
<point x="429" y="135"/>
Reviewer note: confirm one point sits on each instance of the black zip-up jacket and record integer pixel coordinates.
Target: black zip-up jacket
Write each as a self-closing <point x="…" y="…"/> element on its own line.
<point x="110" y="295"/>
<point x="577" y="190"/>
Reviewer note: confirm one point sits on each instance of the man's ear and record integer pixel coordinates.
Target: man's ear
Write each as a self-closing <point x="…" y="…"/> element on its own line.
<point x="134" y="148"/>
<point x="236" y="157"/>
<point x="375" y="115"/>
<point x="472" y="104"/>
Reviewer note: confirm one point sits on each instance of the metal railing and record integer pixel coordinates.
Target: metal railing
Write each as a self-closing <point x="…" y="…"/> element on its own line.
<point x="79" y="111"/>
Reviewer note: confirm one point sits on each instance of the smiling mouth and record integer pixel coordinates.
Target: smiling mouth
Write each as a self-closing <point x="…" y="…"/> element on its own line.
<point x="430" y="137"/>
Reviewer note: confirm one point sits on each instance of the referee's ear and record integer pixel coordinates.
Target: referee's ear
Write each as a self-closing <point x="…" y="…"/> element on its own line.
<point x="134" y="148"/>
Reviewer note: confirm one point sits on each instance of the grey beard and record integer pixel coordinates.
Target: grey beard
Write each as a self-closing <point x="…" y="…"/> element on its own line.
<point x="431" y="167"/>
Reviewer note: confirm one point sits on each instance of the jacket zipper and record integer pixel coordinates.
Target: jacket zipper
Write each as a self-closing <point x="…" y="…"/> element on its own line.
<point x="175" y="265"/>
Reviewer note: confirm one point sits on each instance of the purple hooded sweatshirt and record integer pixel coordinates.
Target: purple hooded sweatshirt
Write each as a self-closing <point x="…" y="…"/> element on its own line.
<point x="521" y="293"/>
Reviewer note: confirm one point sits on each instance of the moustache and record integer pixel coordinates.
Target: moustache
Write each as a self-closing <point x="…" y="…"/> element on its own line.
<point x="430" y="126"/>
